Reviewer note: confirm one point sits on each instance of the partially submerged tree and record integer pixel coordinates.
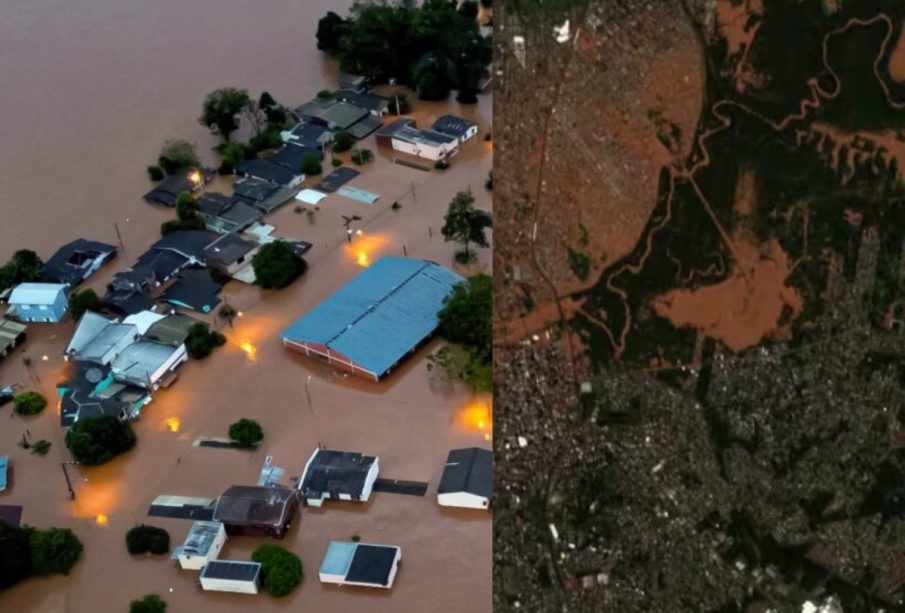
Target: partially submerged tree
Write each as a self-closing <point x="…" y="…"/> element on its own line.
<point x="99" y="439"/>
<point x="82" y="302"/>
<point x="177" y="155"/>
<point x="311" y="165"/>
<point x="147" y="539"/>
<point x="281" y="568"/>
<point x="15" y="555"/>
<point x="220" y="109"/>
<point x="343" y="141"/>
<point x="29" y="403"/>
<point x="53" y="551"/>
<point x="465" y="224"/>
<point x="201" y="341"/>
<point x="362" y="156"/>
<point x="246" y="432"/>
<point x="432" y="79"/>
<point x="152" y="603"/>
<point x="330" y="30"/>
<point x="399" y="104"/>
<point x="277" y="265"/>
<point x="188" y="215"/>
<point x="466" y="321"/>
<point x="24" y="266"/>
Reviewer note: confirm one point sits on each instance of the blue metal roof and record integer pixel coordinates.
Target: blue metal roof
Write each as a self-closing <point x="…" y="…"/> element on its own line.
<point x="381" y="314"/>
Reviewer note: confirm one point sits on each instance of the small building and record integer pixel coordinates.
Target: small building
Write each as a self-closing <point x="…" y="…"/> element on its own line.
<point x="39" y="302"/>
<point x="374" y="104"/>
<point x="270" y="172"/>
<point x="293" y="157"/>
<point x="148" y="365"/>
<point x="467" y="479"/>
<point x="362" y="564"/>
<point x="230" y="253"/>
<point x="308" y="135"/>
<point x="231" y="576"/>
<point x="460" y="128"/>
<point x="337" y="475"/>
<point x="379" y="317"/>
<point x="202" y="545"/>
<point x="172" y="330"/>
<point x="403" y="135"/>
<point x="224" y="214"/>
<point x="257" y="510"/>
<point x="263" y="195"/>
<point x="351" y="81"/>
<point x="76" y="261"/>
<point x="194" y="289"/>
<point x="99" y="340"/>
<point x="167" y="191"/>
<point x="331" y="113"/>
<point x="12" y="334"/>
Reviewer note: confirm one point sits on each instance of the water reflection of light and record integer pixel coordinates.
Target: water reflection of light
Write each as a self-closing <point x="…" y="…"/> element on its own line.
<point x="477" y="416"/>
<point x="250" y="350"/>
<point x="173" y="424"/>
<point x="363" y="259"/>
<point x="101" y="520"/>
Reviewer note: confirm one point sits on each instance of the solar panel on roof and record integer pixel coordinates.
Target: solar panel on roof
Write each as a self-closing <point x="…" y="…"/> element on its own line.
<point x="372" y="564"/>
<point x="231" y="570"/>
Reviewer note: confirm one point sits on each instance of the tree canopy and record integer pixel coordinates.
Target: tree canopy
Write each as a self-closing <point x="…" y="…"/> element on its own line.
<point x="220" y="109"/>
<point x="465" y="224"/>
<point x="281" y="568"/>
<point x="177" y="155"/>
<point x="246" y="432"/>
<point x="24" y="266"/>
<point x="201" y="341"/>
<point x="29" y="403"/>
<point x="343" y="141"/>
<point x="147" y="539"/>
<point x="15" y="555"/>
<point x="466" y="320"/>
<point x="99" y="439"/>
<point x="276" y="265"/>
<point x="188" y="215"/>
<point x="311" y="165"/>
<point x="330" y="30"/>
<point x="53" y="551"/>
<point x="83" y="301"/>
<point x="152" y="603"/>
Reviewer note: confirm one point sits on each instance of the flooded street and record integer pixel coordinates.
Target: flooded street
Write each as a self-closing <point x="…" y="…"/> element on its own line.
<point x="91" y="93"/>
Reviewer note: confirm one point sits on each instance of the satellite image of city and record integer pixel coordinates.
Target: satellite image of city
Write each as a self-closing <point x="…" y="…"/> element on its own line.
<point x="699" y="304"/>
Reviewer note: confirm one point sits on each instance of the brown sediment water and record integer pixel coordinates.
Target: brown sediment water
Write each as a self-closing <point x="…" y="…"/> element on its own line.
<point x="732" y="22"/>
<point x="745" y="308"/>
<point x="897" y="59"/>
<point x="88" y="104"/>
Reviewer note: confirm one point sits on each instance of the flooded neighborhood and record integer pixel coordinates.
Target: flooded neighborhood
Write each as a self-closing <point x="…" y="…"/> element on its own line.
<point x="92" y="93"/>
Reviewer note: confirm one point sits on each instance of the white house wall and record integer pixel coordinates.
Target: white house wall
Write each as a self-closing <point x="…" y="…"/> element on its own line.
<point x="228" y="585"/>
<point x="369" y="481"/>
<point x="179" y="355"/>
<point x="463" y="500"/>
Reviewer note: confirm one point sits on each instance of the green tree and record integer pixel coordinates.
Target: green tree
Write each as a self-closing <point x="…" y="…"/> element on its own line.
<point x="432" y="79"/>
<point x="220" y="109"/>
<point x="187" y="207"/>
<point x="330" y="30"/>
<point x="83" y="301"/>
<point x="55" y="550"/>
<point x="281" y="568"/>
<point x="246" y="432"/>
<point x="467" y="314"/>
<point x="233" y="154"/>
<point x="147" y="539"/>
<point x="201" y="342"/>
<point x="465" y="224"/>
<point x="177" y="155"/>
<point x="343" y="141"/>
<point x="372" y="42"/>
<point x="23" y="267"/>
<point x="470" y="55"/>
<point x="15" y="555"/>
<point x="276" y="265"/>
<point x="152" y="603"/>
<point x="362" y="156"/>
<point x="155" y="173"/>
<point x="99" y="439"/>
<point x="311" y="165"/>
<point x="29" y="403"/>
<point x="469" y="9"/>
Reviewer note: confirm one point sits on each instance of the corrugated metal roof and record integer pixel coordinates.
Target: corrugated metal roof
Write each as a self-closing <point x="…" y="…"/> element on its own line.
<point x="381" y="314"/>
<point x="36" y="293"/>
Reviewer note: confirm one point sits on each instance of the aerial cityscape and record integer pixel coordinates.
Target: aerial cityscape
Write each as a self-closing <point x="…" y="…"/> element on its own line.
<point x="245" y="345"/>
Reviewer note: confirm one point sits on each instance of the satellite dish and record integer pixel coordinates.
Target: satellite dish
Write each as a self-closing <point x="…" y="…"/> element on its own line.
<point x="94" y="375"/>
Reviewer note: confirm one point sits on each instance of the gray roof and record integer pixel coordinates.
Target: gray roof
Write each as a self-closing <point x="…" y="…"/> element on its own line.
<point x="247" y="505"/>
<point x="199" y="540"/>
<point x="331" y="112"/>
<point x="139" y="361"/>
<point x="369" y="101"/>
<point x="452" y="125"/>
<point x="75" y="261"/>
<point x="416" y="136"/>
<point x="310" y="134"/>
<point x="112" y="335"/>
<point x="228" y="249"/>
<point x="395" y="126"/>
<point x="364" y="127"/>
<point x="468" y="470"/>
<point x="171" y="330"/>
<point x="334" y="473"/>
<point x="232" y="570"/>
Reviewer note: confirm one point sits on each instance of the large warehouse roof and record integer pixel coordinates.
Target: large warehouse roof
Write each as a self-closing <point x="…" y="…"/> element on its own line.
<point x="380" y="315"/>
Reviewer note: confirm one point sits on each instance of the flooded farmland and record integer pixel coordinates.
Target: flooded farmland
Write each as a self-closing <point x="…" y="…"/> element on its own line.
<point x="90" y="94"/>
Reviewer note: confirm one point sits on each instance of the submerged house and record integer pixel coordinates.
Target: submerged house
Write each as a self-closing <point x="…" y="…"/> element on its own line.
<point x="257" y="510"/>
<point x="337" y="115"/>
<point x="337" y="475"/>
<point x="231" y="576"/>
<point x="194" y="289"/>
<point x="224" y="214"/>
<point x="261" y="194"/>
<point x="458" y="127"/>
<point x="167" y="191"/>
<point x="265" y="170"/>
<point x="230" y="254"/>
<point x="202" y="545"/>
<point x="99" y="340"/>
<point x="403" y="135"/>
<point x="384" y="314"/>
<point x="308" y="135"/>
<point x="467" y="479"/>
<point x="361" y="564"/>
<point x="39" y="302"/>
<point x="76" y="261"/>
<point x="12" y="334"/>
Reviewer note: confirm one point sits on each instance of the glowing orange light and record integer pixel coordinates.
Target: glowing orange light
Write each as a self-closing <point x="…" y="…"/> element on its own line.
<point x="476" y="416"/>
<point x="486" y="436"/>
<point x="363" y="259"/>
<point x="195" y="177"/>
<point x="173" y="424"/>
<point x="101" y="520"/>
<point x="358" y="232"/>
<point x="249" y="349"/>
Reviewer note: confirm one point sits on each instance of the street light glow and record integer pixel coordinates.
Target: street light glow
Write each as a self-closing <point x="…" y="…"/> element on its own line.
<point x="195" y="177"/>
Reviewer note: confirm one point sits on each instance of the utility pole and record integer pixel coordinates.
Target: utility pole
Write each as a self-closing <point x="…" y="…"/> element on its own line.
<point x="308" y="394"/>
<point x="119" y="236"/>
<point x="68" y="482"/>
<point x="229" y="311"/>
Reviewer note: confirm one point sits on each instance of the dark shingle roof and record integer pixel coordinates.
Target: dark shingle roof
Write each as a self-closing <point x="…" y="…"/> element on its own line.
<point x="194" y="289"/>
<point x="452" y="125"/>
<point x="169" y="189"/>
<point x="228" y="249"/>
<point x="253" y="190"/>
<point x="267" y="171"/>
<point x="370" y="102"/>
<point x="247" y="505"/>
<point x="372" y="564"/>
<point x="293" y="156"/>
<point x="335" y="473"/>
<point x="233" y="570"/>
<point x="72" y="263"/>
<point x="468" y="470"/>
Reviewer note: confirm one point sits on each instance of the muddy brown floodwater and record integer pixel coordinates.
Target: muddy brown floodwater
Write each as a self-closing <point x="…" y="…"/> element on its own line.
<point x="90" y="94"/>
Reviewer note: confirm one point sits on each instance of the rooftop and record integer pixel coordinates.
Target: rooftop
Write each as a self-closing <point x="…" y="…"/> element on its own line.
<point x="171" y="330"/>
<point x="380" y="315"/>
<point x="74" y="261"/>
<point x="468" y="470"/>
<point x="249" y="505"/>
<point x="233" y="570"/>
<point x="334" y="473"/>
<point x="36" y="293"/>
<point x="267" y="171"/>
<point x="364" y="563"/>
<point x="417" y="136"/>
<point x="199" y="540"/>
<point x="452" y="125"/>
<point x="227" y="250"/>
<point x="140" y="360"/>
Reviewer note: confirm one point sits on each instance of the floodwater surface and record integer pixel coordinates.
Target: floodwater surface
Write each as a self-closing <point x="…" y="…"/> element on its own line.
<point x="91" y="90"/>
